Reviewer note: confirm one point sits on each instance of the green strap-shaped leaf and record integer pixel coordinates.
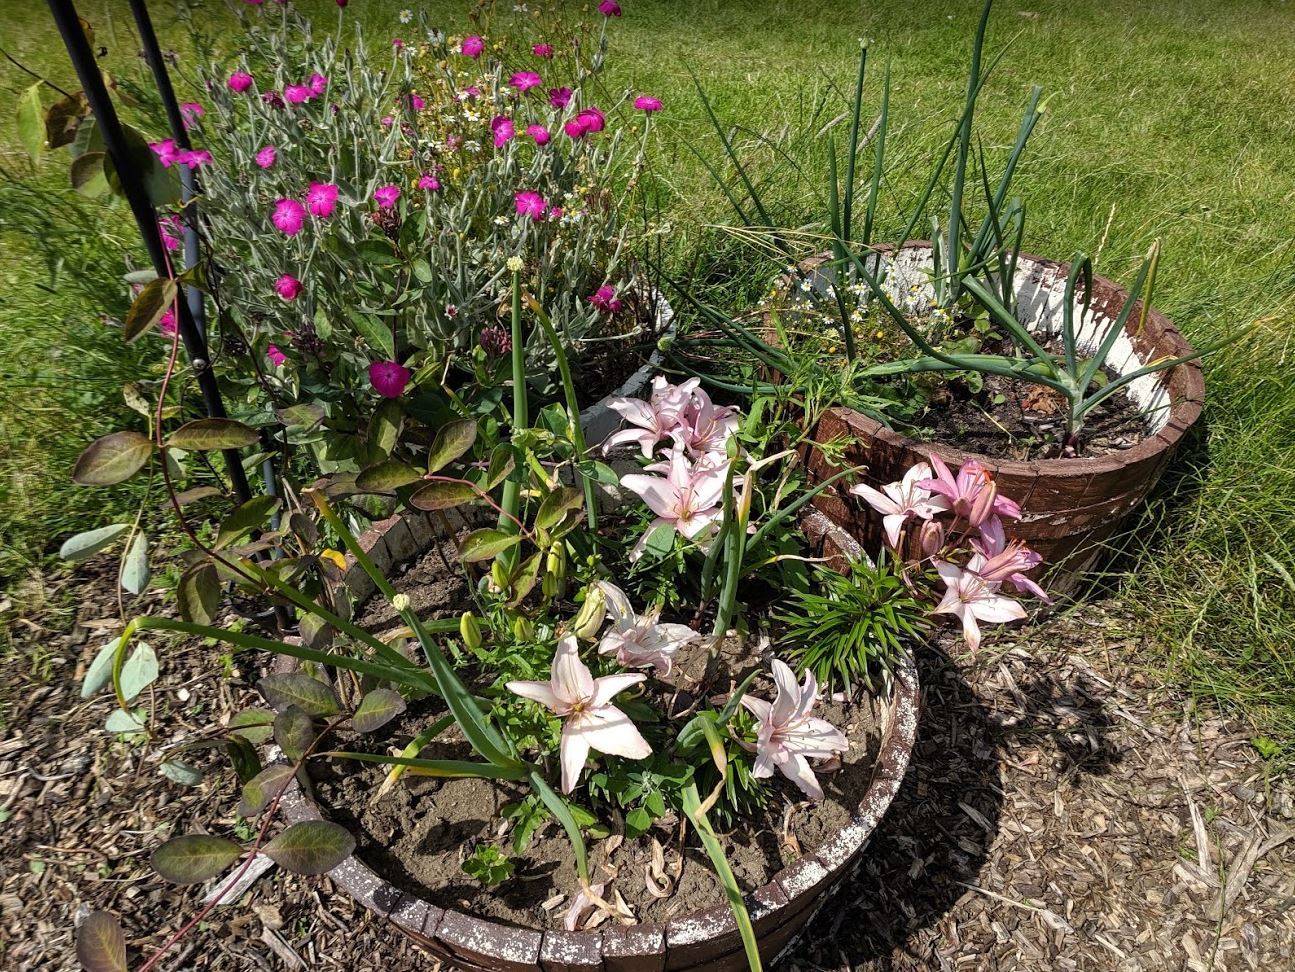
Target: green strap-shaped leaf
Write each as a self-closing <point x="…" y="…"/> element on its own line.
<point x="562" y="813"/>
<point x="692" y="809"/>
<point x="447" y="768"/>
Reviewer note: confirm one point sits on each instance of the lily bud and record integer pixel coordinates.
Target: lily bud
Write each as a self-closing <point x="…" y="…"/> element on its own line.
<point x="589" y="621"/>
<point x="523" y="630"/>
<point x="499" y="575"/>
<point x="470" y="631"/>
<point x="983" y="508"/>
<point x="931" y="538"/>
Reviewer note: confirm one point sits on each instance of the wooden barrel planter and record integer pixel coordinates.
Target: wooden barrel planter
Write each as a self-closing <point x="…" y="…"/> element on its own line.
<point x="1070" y="506"/>
<point x="701" y="941"/>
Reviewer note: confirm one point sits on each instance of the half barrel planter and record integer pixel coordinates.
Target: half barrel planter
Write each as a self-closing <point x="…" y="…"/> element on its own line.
<point x="700" y="941"/>
<point x="1070" y="507"/>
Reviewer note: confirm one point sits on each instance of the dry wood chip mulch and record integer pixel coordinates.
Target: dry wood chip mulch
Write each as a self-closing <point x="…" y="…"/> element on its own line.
<point x="1063" y="812"/>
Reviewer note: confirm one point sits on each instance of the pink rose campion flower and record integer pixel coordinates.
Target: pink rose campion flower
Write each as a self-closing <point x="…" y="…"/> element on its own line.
<point x="605" y="299"/>
<point x="166" y="323"/>
<point x="525" y="80"/>
<point x="471" y="91"/>
<point x="609" y="8"/>
<point x="970" y="598"/>
<point x="387" y="121"/>
<point x="530" y="204"/>
<point x="168" y="225"/>
<point x="429" y="182"/>
<point x="653" y="420"/>
<point x="998" y="560"/>
<point x="542" y="50"/>
<point x="686" y="499"/>
<point x="900" y="502"/>
<point x="317" y="83"/>
<point x="398" y="43"/>
<point x="194" y="158"/>
<point x="560" y="97"/>
<point x="503" y="129"/>
<point x="277" y="357"/>
<point x="389" y="378"/>
<point x="321" y="198"/>
<point x="166" y="151"/>
<point x="972" y="495"/>
<point x="417" y="103"/>
<point x="288" y="287"/>
<point x="593" y="119"/>
<point x="295" y="94"/>
<point x="272" y="99"/>
<point x="239" y="82"/>
<point x="647" y="103"/>
<point x="289" y="216"/>
<point x="386" y="196"/>
<point x="787" y="736"/>
<point x="640" y="641"/>
<point x="472" y="46"/>
<point x="575" y="128"/>
<point x="584" y="703"/>
<point x="190" y="112"/>
<point x="539" y="133"/>
<point x="265" y="158"/>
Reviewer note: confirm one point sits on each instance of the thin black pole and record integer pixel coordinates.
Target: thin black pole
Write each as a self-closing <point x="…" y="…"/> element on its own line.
<point x="114" y="138"/>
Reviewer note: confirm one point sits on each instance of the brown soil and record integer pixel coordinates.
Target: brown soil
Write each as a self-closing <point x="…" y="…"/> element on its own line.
<point x="1064" y="812"/>
<point x="435" y="585"/>
<point x="419" y="835"/>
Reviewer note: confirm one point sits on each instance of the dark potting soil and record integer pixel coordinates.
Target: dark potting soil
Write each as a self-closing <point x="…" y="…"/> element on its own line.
<point x="420" y="832"/>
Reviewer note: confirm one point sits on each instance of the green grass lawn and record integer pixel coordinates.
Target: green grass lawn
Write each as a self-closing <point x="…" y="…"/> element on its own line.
<point x="1173" y="120"/>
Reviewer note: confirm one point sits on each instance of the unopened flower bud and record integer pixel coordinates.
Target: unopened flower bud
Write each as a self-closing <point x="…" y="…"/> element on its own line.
<point x="495" y="341"/>
<point x="523" y="630"/>
<point x="931" y="538"/>
<point x="499" y="575"/>
<point x="589" y="621"/>
<point x="470" y="630"/>
<point x="401" y="603"/>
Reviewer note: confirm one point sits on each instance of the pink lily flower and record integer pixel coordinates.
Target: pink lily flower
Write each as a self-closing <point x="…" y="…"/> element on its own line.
<point x="321" y="198"/>
<point x="973" y="495"/>
<point x="389" y="378"/>
<point x="653" y="420"/>
<point x="289" y="216"/>
<point x="640" y="641"/>
<point x="788" y="736"/>
<point x="900" y="502"/>
<point x="525" y="80"/>
<point x="998" y="560"/>
<point x="686" y="499"/>
<point x="968" y="597"/>
<point x="705" y="427"/>
<point x="584" y="703"/>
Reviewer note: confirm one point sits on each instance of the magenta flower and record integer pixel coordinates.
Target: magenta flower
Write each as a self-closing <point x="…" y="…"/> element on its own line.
<point x="472" y="46"/>
<point x="494" y="341"/>
<point x="471" y="91"/>
<point x="397" y="42"/>
<point x="968" y="597"/>
<point x="609" y="8"/>
<point x="605" y="299"/>
<point x="166" y="225"/>
<point x="973" y="495"/>
<point x="272" y="99"/>
<point x="525" y="80"/>
<point x="574" y="128"/>
<point x="166" y="324"/>
<point x="560" y="97"/>
<point x="542" y="50"/>
<point x="647" y="103"/>
<point x="386" y="196"/>
<point x="318" y="83"/>
<point x="191" y="111"/>
<point x="239" y="81"/>
<point x="530" y="204"/>
<point x="584" y="703"/>
<point x="295" y="94"/>
<point x="321" y="198"/>
<point x="277" y="357"/>
<point x="389" y="378"/>
<point x="900" y="502"/>
<point x="289" y="216"/>
<point x="288" y="287"/>
<point x="387" y="121"/>
<point x="429" y="182"/>
<point x="194" y="158"/>
<point x="788" y="736"/>
<point x="417" y="103"/>
<point x="166" y="151"/>
<point x="265" y="158"/>
<point x="539" y="133"/>
<point x="503" y="129"/>
<point x="589" y="120"/>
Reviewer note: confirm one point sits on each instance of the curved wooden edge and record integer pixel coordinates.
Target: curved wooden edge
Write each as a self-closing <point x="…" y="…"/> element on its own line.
<point x="706" y="939"/>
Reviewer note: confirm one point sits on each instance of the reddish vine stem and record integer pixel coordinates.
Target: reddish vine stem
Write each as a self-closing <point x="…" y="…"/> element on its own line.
<point x="521" y="527"/>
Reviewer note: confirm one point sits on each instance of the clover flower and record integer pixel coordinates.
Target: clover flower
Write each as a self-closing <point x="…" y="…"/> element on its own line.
<point x="289" y="216"/>
<point x="584" y="703"/>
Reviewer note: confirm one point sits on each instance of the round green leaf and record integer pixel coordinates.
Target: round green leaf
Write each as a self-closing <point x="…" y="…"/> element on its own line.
<point x="376" y="709"/>
<point x="294" y="731"/>
<point x="86" y="545"/>
<point x="205" y="435"/>
<point x="262" y="788"/>
<point x="149" y="306"/>
<point x="314" y="697"/>
<point x="194" y="858"/>
<point x="101" y="944"/>
<point x="442" y="496"/>
<point x="112" y="459"/>
<point x="454" y="439"/>
<point x="310" y="847"/>
<point x="487" y="543"/>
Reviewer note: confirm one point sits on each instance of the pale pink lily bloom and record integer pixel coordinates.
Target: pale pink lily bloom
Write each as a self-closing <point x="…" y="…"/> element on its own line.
<point x="788" y="737"/>
<point x="652" y="420"/>
<point x="640" y="640"/>
<point x="685" y="499"/>
<point x="972" y="494"/>
<point x="584" y="703"/>
<point x="705" y="428"/>
<point x="971" y="599"/>
<point x="899" y="502"/>
<point x="999" y="560"/>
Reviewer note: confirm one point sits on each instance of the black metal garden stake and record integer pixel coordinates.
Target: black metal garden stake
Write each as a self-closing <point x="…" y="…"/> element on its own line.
<point x="114" y="138"/>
